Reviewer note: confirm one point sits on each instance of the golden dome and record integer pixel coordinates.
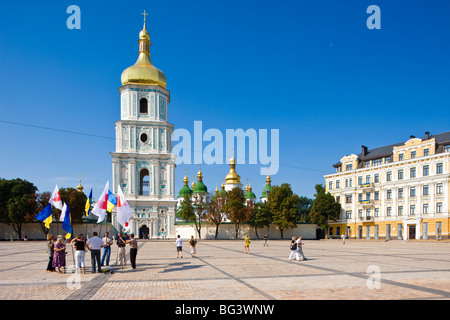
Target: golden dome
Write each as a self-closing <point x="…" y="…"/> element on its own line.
<point x="143" y="71"/>
<point x="232" y="177"/>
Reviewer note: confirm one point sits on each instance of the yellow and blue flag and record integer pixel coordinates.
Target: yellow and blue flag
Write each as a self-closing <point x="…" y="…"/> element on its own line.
<point x="67" y="223"/>
<point x="45" y="216"/>
<point x="87" y="208"/>
<point x="112" y="201"/>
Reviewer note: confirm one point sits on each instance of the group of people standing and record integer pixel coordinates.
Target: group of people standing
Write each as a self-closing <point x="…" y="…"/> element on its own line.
<point x="56" y="250"/>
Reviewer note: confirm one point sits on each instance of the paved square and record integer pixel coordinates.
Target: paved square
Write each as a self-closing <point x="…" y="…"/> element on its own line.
<point x="408" y="270"/>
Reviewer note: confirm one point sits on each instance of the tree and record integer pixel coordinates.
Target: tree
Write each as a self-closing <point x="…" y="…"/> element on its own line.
<point x="76" y="201"/>
<point x="325" y="208"/>
<point x="186" y="211"/>
<point x="235" y="208"/>
<point x="261" y="217"/>
<point x="17" y="202"/>
<point x="303" y="209"/>
<point x="283" y="206"/>
<point x="216" y="214"/>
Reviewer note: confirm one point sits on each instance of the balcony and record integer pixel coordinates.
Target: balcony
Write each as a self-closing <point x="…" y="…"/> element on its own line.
<point x="366" y="218"/>
<point x="366" y="202"/>
<point x="366" y="186"/>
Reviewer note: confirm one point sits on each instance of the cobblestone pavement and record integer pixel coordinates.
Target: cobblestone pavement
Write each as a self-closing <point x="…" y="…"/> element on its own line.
<point x="222" y="271"/>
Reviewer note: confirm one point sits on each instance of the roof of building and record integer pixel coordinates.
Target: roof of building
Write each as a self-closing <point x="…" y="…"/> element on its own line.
<point x="442" y="139"/>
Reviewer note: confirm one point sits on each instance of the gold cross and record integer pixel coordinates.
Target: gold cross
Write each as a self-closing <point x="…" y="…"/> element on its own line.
<point x="144" y="14"/>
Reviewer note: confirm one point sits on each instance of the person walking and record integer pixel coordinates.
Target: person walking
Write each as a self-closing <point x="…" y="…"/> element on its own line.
<point x="121" y="254"/>
<point x="179" y="244"/>
<point x="94" y="245"/>
<point x="265" y="240"/>
<point x="193" y="244"/>
<point x="80" y="246"/>
<point x="294" y="252"/>
<point x="59" y="254"/>
<point x="247" y="244"/>
<point x="343" y="238"/>
<point x="107" y="242"/>
<point x="300" y="248"/>
<point x="50" y="246"/>
<point x="133" y="250"/>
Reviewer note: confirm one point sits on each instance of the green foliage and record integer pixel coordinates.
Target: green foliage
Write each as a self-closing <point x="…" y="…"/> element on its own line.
<point x="325" y="208"/>
<point x="186" y="210"/>
<point x="283" y="206"/>
<point x="261" y="216"/>
<point x="304" y="206"/>
<point x="76" y="201"/>
<point x="235" y="208"/>
<point x="17" y="202"/>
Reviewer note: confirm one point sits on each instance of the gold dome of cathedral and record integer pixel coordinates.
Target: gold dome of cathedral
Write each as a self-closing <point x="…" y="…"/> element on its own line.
<point x="143" y="71"/>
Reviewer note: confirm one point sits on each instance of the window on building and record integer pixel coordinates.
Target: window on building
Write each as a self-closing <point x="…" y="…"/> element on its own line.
<point x="360" y="213"/>
<point x="426" y="152"/>
<point x="338" y="199"/>
<point x="439" y="207"/>
<point x="348" y="214"/>
<point x="426" y="170"/>
<point x="426" y="190"/>
<point x="338" y="184"/>
<point x="368" y="196"/>
<point x="376" y="212"/>
<point x="360" y="180"/>
<point x="389" y="176"/>
<point x="330" y="185"/>
<point x="412" y="191"/>
<point x="360" y="195"/>
<point x="346" y="183"/>
<point x="144" y="182"/>
<point x="377" y="162"/>
<point x="400" y="157"/>
<point x="412" y="210"/>
<point x="388" y="211"/>
<point x="412" y="172"/>
<point x="348" y="167"/>
<point x="143" y="106"/>
<point x="439" y="188"/>
<point x="447" y="148"/>
<point x="368" y="179"/>
<point x="413" y="154"/>
<point x="438" y="168"/>
<point x="348" y="198"/>
<point x="367" y="164"/>
<point x="400" y="210"/>
<point x="351" y="182"/>
<point x="377" y="195"/>
<point x="400" y="174"/>
<point x="425" y="208"/>
<point x="376" y="178"/>
<point x="368" y="212"/>
<point x="389" y="194"/>
<point x="387" y="159"/>
<point x="400" y="193"/>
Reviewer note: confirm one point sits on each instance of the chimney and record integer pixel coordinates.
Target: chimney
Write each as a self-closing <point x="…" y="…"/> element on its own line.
<point x="364" y="151"/>
<point x="427" y="135"/>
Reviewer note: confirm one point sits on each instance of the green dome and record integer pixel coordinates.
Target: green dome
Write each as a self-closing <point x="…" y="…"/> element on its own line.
<point x="200" y="187"/>
<point x="222" y="193"/>
<point x="249" y="195"/>
<point x="267" y="189"/>
<point x="184" y="191"/>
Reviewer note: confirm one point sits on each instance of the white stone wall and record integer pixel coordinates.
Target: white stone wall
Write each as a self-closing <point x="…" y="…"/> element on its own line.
<point x="227" y="231"/>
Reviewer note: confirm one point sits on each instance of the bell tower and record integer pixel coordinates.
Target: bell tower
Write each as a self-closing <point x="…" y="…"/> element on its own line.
<point x="143" y="163"/>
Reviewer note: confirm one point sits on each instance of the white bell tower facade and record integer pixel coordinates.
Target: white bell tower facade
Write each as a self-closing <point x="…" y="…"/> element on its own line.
<point x="143" y="163"/>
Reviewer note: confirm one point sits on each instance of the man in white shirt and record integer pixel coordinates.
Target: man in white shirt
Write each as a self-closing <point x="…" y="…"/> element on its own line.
<point x="107" y="242"/>
<point x="179" y="244"/>
<point x="300" y="247"/>
<point x="95" y="244"/>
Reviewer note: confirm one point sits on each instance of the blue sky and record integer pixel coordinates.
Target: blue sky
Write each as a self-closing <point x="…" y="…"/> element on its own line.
<point x="311" y="69"/>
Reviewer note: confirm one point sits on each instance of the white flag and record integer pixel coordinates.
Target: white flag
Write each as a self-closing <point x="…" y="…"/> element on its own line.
<point x="124" y="211"/>
<point x="55" y="199"/>
<point x="101" y="205"/>
<point x="63" y="212"/>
